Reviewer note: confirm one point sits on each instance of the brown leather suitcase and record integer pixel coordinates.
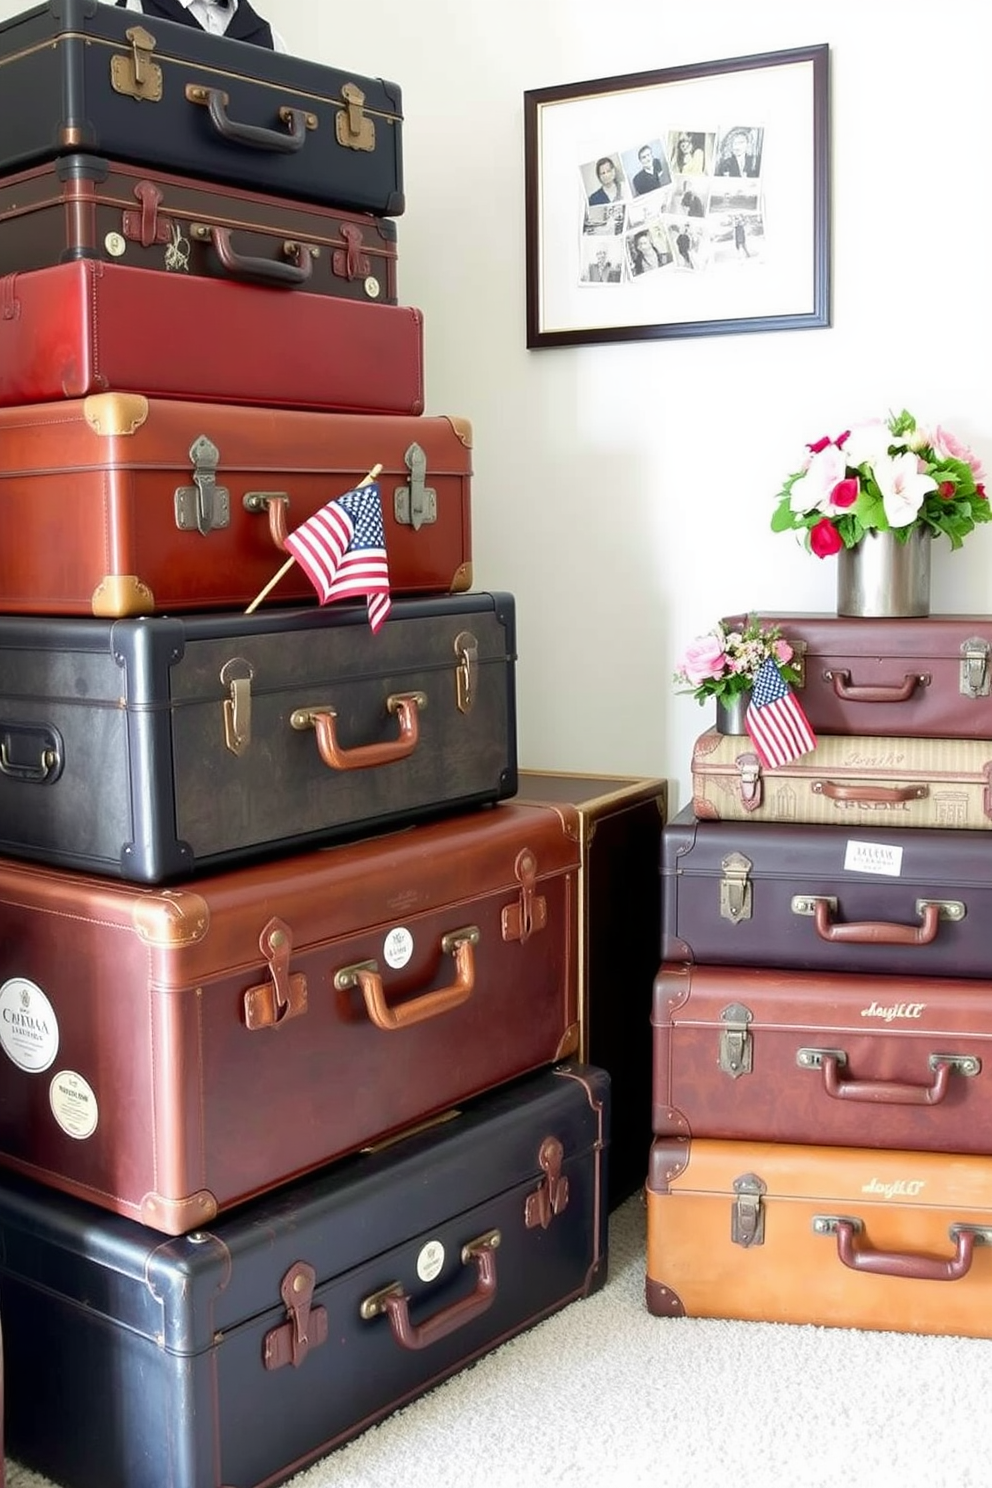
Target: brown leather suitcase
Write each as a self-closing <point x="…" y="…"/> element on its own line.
<point x="914" y="902"/>
<point x="833" y="1236"/>
<point x="172" y="1053"/>
<point x="744" y="1052"/>
<point x="856" y="780"/>
<point x="931" y="677"/>
<point x="620" y="821"/>
<point x="82" y="206"/>
<point x="68" y="331"/>
<point x="127" y="505"/>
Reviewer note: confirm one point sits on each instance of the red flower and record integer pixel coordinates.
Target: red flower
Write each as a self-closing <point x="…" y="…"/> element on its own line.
<point x="845" y="492"/>
<point x="980" y="491"/>
<point x="824" y="539"/>
<point x="946" y="489"/>
<point x="842" y="439"/>
<point x="820" y="444"/>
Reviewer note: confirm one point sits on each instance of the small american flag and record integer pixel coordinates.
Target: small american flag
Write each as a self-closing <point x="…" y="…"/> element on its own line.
<point x="777" y="725"/>
<point x="342" y="550"/>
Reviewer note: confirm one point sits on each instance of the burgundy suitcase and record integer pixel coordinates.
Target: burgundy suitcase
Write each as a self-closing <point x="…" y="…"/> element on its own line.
<point x="928" y="678"/>
<point x="916" y="901"/>
<point x="823" y="1057"/>
<point x="81" y="206"/>
<point x="127" y="505"/>
<point x="232" y="1357"/>
<point x="174" y="1052"/>
<point x="69" y="330"/>
<point x="77" y="75"/>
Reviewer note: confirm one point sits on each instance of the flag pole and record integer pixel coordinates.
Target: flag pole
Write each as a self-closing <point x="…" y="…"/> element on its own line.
<point x="365" y="481"/>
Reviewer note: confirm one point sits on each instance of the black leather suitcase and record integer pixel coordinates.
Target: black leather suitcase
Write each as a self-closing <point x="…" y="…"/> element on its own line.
<point x="155" y="746"/>
<point x="234" y="1356"/>
<point x="77" y="75"/>
<point x="915" y="901"/>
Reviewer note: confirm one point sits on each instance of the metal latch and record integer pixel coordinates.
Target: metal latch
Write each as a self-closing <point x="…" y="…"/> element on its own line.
<point x="749" y="771"/>
<point x="204" y="505"/>
<point x="747" y="1218"/>
<point x="974" y="667"/>
<point x="137" y="75"/>
<point x="285" y="994"/>
<point x="736" y="1051"/>
<point x="306" y="1327"/>
<point x="467" y="651"/>
<point x="735" y="888"/>
<point x="352" y="126"/>
<point x="552" y="1196"/>
<point x="530" y="912"/>
<point x="236" y="676"/>
<point x="415" y="505"/>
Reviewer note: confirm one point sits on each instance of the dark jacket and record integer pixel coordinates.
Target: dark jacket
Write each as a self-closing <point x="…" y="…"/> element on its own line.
<point x="245" y="24"/>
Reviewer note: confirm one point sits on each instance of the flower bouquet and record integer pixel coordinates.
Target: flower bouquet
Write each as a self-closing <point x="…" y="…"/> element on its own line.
<point x="724" y="662"/>
<point x="885" y="476"/>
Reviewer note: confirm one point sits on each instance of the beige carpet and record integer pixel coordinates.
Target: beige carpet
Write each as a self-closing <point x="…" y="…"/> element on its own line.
<point x="604" y="1393"/>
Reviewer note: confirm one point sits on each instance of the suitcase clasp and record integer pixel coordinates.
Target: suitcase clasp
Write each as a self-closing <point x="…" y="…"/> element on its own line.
<point x="137" y="75"/>
<point x="747" y="1217"/>
<point x="974" y="667"/>
<point x="530" y="913"/>
<point x="352" y="126"/>
<point x="204" y="505"/>
<point x="306" y="1327"/>
<point x="285" y="995"/>
<point x="236" y="675"/>
<point x="467" y="651"/>
<point x="749" y="773"/>
<point x="416" y="504"/>
<point x="735" y="888"/>
<point x="551" y="1198"/>
<point x="736" y="1043"/>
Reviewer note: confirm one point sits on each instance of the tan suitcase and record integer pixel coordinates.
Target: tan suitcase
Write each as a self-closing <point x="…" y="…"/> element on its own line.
<point x="852" y="779"/>
<point x="835" y="1236"/>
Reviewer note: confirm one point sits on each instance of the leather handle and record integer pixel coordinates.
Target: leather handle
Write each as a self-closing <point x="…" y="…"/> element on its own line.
<point x="269" y="270"/>
<point x="899" y="692"/>
<point x="876" y="932"/>
<point x="886" y="1092"/>
<point x="364" y="756"/>
<point x="458" y="943"/>
<point x="869" y="794"/>
<point x="860" y="1257"/>
<point x="256" y="136"/>
<point x="395" y="1302"/>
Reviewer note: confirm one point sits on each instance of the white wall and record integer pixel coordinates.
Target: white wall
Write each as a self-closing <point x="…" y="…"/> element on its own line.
<point x="622" y="493"/>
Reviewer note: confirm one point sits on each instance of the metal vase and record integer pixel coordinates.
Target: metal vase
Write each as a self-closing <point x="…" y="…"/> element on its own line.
<point x="883" y="578"/>
<point x="730" y="713"/>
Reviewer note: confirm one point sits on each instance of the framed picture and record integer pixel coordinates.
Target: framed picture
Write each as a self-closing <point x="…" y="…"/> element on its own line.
<point x="688" y="202"/>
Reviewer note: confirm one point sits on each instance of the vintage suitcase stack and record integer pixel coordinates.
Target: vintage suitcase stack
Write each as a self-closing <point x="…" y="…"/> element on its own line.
<point x="823" y="1011"/>
<point x="290" y="1119"/>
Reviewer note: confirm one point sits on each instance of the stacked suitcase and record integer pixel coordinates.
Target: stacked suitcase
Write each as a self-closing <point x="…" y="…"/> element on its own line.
<point x="289" y="1125"/>
<point x="823" y="1010"/>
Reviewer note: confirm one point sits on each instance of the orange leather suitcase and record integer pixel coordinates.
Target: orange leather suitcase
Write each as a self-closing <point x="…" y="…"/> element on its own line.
<point x="834" y="1236"/>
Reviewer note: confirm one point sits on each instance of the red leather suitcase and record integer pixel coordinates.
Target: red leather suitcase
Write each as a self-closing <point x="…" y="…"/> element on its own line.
<point x="69" y="330"/>
<point x="236" y="1355"/>
<point x="744" y="1052"/>
<point x="82" y="206"/>
<point x="928" y="678"/>
<point x="127" y="505"/>
<point x="916" y="901"/>
<point x="174" y="1052"/>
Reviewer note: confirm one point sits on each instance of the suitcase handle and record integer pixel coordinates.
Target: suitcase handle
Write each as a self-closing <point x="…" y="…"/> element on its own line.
<point x="887" y="1092"/>
<point x="244" y="266"/>
<point x="365" y="976"/>
<point x="364" y="756"/>
<point x="215" y="101"/>
<point x="395" y="1302"/>
<point x="876" y="932"/>
<point x="860" y="1257"/>
<point x="900" y="692"/>
<point x="869" y="794"/>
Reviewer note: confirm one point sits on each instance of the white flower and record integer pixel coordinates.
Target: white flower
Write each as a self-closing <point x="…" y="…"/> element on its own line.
<point x="903" y="486"/>
<point x="813" y="488"/>
<point x="867" y="442"/>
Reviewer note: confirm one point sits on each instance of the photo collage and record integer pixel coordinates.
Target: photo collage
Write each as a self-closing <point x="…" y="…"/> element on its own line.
<point x="686" y="201"/>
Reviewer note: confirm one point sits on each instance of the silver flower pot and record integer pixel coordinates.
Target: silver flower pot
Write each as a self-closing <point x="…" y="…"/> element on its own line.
<point x="730" y="713"/>
<point x="881" y="577"/>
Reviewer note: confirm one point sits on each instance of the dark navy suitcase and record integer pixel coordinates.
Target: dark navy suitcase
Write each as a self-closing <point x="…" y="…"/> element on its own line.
<point x="235" y="1355"/>
<point x="78" y="75"/>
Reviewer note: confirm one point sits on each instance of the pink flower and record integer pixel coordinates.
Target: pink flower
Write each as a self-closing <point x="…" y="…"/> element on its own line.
<point x="702" y="659"/>
<point x="813" y="490"/>
<point x="782" y="652"/>
<point x="948" y="446"/>
<point x="824" y="539"/>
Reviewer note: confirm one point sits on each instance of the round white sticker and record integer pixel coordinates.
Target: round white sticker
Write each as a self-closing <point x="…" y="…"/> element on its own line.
<point x="397" y="948"/>
<point x="430" y="1260"/>
<point x="73" y="1104"/>
<point x="29" y="1030"/>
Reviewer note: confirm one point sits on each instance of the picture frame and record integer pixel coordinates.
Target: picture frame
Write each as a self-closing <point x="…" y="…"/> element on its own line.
<point x="689" y="201"/>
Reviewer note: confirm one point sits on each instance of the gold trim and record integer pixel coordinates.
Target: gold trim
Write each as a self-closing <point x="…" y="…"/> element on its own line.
<point x="171" y="918"/>
<point x="113" y="414"/>
<point x="118" y="595"/>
